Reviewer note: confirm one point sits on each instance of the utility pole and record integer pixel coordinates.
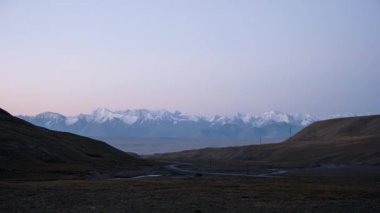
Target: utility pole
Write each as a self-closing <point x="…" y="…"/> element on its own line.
<point x="260" y="139"/>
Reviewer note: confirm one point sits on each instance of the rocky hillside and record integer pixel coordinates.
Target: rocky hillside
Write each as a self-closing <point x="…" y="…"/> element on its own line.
<point x="340" y="129"/>
<point x="28" y="151"/>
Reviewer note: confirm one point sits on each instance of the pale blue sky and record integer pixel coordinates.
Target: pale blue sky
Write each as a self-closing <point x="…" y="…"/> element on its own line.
<point x="199" y="56"/>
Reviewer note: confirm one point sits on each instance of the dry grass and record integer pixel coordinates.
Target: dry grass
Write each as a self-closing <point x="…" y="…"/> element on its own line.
<point x="297" y="194"/>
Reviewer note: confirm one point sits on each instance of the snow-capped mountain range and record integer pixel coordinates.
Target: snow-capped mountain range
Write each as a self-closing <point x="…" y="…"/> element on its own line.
<point x="143" y="123"/>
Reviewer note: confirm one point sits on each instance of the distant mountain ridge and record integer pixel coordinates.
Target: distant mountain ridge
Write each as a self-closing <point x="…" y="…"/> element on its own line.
<point x="143" y="123"/>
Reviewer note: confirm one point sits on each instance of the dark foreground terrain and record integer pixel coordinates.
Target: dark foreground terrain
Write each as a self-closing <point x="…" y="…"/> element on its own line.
<point x="327" y="193"/>
<point x="328" y="167"/>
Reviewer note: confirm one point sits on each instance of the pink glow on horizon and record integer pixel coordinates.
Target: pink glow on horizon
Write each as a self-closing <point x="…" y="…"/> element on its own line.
<point x="198" y="57"/>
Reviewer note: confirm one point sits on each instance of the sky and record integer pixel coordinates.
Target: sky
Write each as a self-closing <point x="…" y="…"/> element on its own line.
<point x="202" y="57"/>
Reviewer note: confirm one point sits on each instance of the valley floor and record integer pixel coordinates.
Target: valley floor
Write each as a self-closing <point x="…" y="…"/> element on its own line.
<point x="324" y="193"/>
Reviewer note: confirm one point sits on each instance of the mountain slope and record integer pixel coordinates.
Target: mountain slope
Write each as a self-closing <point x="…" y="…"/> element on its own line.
<point x="345" y="141"/>
<point x="142" y="123"/>
<point x="341" y="128"/>
<point x="30" y="151"/>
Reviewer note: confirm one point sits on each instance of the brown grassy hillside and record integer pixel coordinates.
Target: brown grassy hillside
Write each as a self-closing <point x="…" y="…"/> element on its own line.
<point x="340" y="129"/>
<point x="30" y="151"/>
<point x="348" y="141"/>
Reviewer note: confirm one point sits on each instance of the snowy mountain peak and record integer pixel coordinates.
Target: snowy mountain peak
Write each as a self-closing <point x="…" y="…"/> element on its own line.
<point x="101" y="115"/>
<point x="133" y="116"/>
<point x="50" y="115"/>
<point x="162" y="123"/>
<point x="48" y="118"/>
<point x="277" y="116"/>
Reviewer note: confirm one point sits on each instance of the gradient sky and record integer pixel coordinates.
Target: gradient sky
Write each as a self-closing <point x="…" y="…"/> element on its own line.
<point x="200" y="56"/>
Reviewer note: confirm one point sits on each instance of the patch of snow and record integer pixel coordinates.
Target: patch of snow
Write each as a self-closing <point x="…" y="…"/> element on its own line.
<point x="71" y="120"/>
<point x="129" y="119"/>
<point x="276" y="116"/>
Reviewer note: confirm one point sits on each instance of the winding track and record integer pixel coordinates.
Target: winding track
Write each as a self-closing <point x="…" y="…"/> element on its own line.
<point x="191" y="173"/>
<point x="273" y="174"/>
